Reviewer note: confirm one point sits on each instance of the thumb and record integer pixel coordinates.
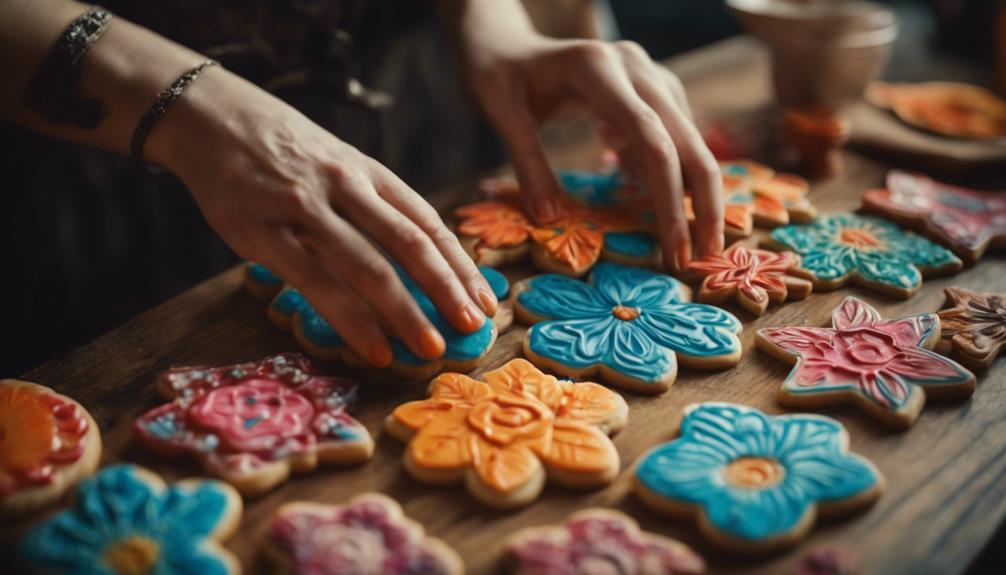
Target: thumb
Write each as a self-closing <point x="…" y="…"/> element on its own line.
<point x="540" y="190"/>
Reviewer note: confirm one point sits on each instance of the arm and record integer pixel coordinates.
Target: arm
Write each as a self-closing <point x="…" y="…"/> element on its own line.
<point x="278" y="189"/>
<point x="521" y="77"/>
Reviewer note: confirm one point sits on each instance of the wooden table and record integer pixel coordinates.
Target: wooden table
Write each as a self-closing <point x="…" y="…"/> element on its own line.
<point x="946" y="476"/>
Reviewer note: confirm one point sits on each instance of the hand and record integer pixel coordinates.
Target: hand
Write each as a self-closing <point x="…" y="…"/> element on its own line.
<point x="522" y="78"/>
<point x="284" y="192"/>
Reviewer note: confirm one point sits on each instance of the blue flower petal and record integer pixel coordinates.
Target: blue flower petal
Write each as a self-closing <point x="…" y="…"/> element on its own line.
<point x="554" y="296"/>
<point x="574" y="342"/>
<point x="634" y="354"/>
<point x="757" y="514"/>
<point x="631" y="244"/>
<point x="634" y="287"/>
<point x="693" y="329"/>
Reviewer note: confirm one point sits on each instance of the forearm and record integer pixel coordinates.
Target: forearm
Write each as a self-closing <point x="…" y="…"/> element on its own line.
<point x="125" y="69"/>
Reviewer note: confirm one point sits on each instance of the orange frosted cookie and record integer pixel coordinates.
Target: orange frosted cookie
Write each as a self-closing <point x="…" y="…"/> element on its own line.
<point x="505" y="435"/>
<point x="48" y="442"/>
<point x="754" y="277"/>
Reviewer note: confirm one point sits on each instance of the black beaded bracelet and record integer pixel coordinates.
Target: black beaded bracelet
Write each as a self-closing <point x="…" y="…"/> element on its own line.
<point x="54" y="91"/>
<point x="160" y="107"/>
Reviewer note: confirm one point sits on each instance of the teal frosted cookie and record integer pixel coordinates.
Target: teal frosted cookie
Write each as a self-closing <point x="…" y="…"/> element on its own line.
<point x="630" y="325"/>
<point x="290" y="311"/>
<point x="866" y="250"/>
<point x="261" y="282"/>
<point x="756" y="482"/>
<point x="125" y="520"/>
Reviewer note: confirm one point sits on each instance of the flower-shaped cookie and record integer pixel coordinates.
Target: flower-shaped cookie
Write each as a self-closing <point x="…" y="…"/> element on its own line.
<point x="368" y="535"/>
<point x="974" y="325"/>
<point x="755" y="482"/>
<point x="125" y="520"/>
<point x="949" y="108"/>
<point x="869" y="251"/>
<point x="885" y="367"/>
<point x="967" y="221"/>
<point x="497" y="232"/>
<point x="598" y="541"/>
<point x="252" y="424"/>
<point x="503" y="436"/>
<point x="755" y="277"/>
<point x="776" y="198"/>
<point x="630" y="325"/>
<point x="289" y="310"/>
<point x="47" y="443"/>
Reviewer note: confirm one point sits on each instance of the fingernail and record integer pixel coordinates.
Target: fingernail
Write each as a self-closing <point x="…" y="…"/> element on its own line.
<point x="380" y="355"/>
<point x="544" y="209"/>
<point x="474" y="318"/>
<point x="431" y="343"/>
<point x="489" y="302"/>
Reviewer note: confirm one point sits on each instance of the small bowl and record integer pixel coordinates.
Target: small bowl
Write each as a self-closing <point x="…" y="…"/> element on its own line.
<point x="824" y="52"/>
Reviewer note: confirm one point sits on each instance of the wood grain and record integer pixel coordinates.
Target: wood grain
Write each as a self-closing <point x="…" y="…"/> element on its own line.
<point x="946" y="476"/>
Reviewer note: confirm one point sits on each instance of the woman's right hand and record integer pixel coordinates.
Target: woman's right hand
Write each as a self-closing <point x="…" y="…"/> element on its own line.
<point x="282" y="191"/>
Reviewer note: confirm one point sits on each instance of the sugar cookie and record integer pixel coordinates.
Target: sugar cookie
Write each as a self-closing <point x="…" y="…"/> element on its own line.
<point x="946" y="108"/>
<point x="290" y="311"/>
<point x="253" y="424"/>
<point x="974" y="326"/>
<point x="261" y="282"/>
<point x="754" y="482"/>
<point x="776" y="198"/>
<point x="125" y="520"/>
<point x="866" y="250"/>
<point x="368" y="535"/>
<point x="505" y="435"/>
<point x="598" y="541"/>
<point x="755" y="278"/>
<point x="883" y="366"/>
<point x="629" y="325"/>
<point x="48" y="442"/>
<point x="967" y="221"/>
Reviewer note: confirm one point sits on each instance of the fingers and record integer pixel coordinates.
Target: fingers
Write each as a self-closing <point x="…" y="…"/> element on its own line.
<point x="347" y="253"/>
<point x="699" y="167"/>
<point x="601" y="80"/>
<point x="404" y="199"/>
<point x="540" y="191"/>
<point x="344" y="311"/>
<point x="355" y="197"/>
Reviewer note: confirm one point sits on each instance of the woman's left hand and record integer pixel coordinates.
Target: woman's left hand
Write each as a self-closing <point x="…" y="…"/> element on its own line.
<point x="521" y="78"/>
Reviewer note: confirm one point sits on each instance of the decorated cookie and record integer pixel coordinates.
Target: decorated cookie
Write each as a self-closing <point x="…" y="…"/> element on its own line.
<point x="368" y="535"/>
<point x="974" y="326"/>
<point x="48" y="442"/>
<point x="260" y="282"/>
<point x="289" y="310"/>
<point x="598" y="541"/>
<point x="868" y="251"/>
<point x="965" y="220"/>
<point x="776" y="198"/>
<point x="126" y="521"/>
<point x="631" y="326"/>
<point x="755" y="482"/>
<point x="883" y="366"/>
<point x="754" y="277"/>
<point x="946" y="108"/>
<point x="497" y="232"/>
<point x="505" y="435"/>
<point x="253" y="424"/>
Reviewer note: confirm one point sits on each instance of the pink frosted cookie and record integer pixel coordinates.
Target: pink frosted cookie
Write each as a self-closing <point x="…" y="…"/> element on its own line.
<point x="884" y="366"/>
<point x="754" y="277"/>
<point x="368" y="535"/>
<point x="965" y="220"/>
<point x="598" y="541"/>
<point x="253" y="424"/>
<point x="48" y="442"/>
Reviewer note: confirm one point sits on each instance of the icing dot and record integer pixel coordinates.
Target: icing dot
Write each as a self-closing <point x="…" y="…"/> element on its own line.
<point x="753" y="472"/>
<point x="132" y="555"/>
<point x="625" y="313"/>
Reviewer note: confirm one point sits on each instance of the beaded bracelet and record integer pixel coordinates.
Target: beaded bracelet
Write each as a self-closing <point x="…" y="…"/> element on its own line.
<point x="54" y="91"/>
<point x="160" y="107"/>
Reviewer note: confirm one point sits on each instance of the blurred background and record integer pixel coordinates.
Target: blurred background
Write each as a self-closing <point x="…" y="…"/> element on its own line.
<point x="90" y="239"/>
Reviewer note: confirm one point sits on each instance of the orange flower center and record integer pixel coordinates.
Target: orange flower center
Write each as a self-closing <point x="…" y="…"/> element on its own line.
<point x="859" y="238"/>
<point x="30" y="418"/>
<point x="753" y="472"/>
<point x="132" y="555"/>
<point x="625" y="313"/>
